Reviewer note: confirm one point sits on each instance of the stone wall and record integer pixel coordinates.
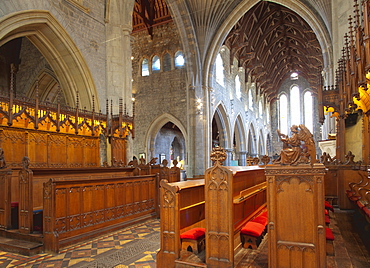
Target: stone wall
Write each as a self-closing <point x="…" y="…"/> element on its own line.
<point x="159" y="93"/>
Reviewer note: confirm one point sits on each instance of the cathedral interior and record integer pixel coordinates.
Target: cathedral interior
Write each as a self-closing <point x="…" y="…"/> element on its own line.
<point x="117" y="117"/>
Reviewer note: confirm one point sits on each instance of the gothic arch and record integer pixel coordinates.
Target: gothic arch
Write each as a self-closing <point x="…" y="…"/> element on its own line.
<point x="240" y="143"/>
<point x="251" y="141"/>
<point x="155" y="127"/>
<point x="223" y="125"/>
<point x="51" y="39"/>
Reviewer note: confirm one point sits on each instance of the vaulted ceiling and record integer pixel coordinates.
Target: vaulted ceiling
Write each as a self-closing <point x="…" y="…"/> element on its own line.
<point x="270" y="41"/>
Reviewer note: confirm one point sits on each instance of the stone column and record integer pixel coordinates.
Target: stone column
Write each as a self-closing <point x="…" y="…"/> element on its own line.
<point x="242" y="158"/>
<point x="229" y="156"/>
<point x="118" y="59"/>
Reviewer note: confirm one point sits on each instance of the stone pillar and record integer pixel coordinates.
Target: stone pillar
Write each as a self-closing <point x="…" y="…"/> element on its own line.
<point x="118" y="59"/>
<point x="242" y="158"/>
<point x="197" y="123"/>
<point x="295" y="202"/>
<point x="229" y="156"/>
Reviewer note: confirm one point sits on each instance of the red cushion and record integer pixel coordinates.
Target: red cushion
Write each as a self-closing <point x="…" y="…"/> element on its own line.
<point x="355" y="198"/>
<point x="326" y="212"/>
<point x="327" y="219"/>
<point x="261" y="219"/>
<point x="253" y="229"/>
<point x="194" y="233"/>
<point x="360" y="205"/>
<point x="329" y="234"/>
<point x="328" y="206"/>
<point x="264" y="214"/>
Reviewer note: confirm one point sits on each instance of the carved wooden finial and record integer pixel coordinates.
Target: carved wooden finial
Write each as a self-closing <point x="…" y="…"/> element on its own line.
<point x="218" y="155"/>
<point x="25" y="162"/>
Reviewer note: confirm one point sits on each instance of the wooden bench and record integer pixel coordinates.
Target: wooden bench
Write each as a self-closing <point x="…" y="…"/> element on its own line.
<point x="182" y="208"/>
<point x="75" y="210"/>
<point x="337" y="179"/>
<point x="234" y="196"/>
<point x="222" y="203"/>
<point x="30" y="185"/>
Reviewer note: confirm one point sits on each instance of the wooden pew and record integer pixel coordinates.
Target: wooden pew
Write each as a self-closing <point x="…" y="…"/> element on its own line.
<point x="337" y="180"/>
<point x="29" y="193"/>
<point x="223" y="202"/>
<point x="182" y="208"/>
<point x="79" y="209"/>
<point x="359" y="196"/>
<point x="234" y="195"/>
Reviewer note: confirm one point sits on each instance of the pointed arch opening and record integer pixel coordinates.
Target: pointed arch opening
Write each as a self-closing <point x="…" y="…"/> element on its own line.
<point x="64" y="57"/>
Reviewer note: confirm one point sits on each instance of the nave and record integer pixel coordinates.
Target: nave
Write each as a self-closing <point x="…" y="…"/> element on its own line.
<point x="137" y="245"/>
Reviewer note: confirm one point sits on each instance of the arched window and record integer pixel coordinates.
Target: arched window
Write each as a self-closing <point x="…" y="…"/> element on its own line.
<point x="145" y="67"/>
<point x="294" y="76"/>
<point x="179" y="60"/>
<point x="308" y="110"/>
<point x="166" y="62"/>
<point x="238" y="91"/>
<point x="250" y="99"/>
<point x="295" y="106"/>
<point x="156" y="64"/>
<point x="283" y="108"/>
<point x="220" y="77"/>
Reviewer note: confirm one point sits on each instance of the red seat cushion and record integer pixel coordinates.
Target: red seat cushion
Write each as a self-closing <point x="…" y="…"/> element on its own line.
<point x="193" y="234"/>
<point x="328" y="206"/>
<point x="329" y="234"/>
<point x="360" y="204"/>
<point x="261" y="219"/>
<point x="264" y="214"/>
<point x="326" y="212"/>
<point x="253" y="229"/>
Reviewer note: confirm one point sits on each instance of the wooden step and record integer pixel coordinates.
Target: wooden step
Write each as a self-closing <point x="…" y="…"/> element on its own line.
<point x="22" y="247"/>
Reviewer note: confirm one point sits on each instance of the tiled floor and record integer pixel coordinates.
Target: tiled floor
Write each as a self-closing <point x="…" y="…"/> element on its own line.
<point x="137" y="245"/>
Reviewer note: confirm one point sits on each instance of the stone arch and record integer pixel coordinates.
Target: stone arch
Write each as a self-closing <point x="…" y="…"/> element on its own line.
<point x="52" y="40"/>
<point x="46" y="78"/>
<point x="221" y="119"/>
<point x="251" y="141"/>
<point x="240" y="143"/>
<point x="155" y="127"/>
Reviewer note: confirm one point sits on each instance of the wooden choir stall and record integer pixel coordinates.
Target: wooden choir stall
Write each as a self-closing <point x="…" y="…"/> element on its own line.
<point x="296" y="202"/>
<point x="201" y="220"/>
<point x="56" y="188"/>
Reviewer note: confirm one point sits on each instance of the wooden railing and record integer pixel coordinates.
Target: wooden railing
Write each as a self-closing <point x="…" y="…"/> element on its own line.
<point x="31" y="183"/>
